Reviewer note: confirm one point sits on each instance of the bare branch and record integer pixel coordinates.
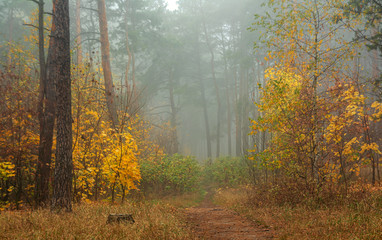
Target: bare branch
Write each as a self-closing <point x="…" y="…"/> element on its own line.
<point x="91" y="9"/>
<point x="35" y="1"/>
<point x="31" y="25"/>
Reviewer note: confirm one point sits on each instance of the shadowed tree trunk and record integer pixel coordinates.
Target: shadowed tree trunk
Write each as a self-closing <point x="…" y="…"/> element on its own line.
<point x="376" y="76"/>
<point x="105" y="51"/>
<point x="63" y="173"/>
<point x="46" y="113"/>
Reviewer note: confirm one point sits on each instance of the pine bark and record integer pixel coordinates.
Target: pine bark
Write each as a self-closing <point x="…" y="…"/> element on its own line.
<point x="63" y="174"/>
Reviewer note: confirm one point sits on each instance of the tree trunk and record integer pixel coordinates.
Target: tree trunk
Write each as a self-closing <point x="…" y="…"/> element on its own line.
<point x="46" y="112"/>
<point x="127" y="49"/>
<point x="217" y="92"/>
<point x="105" y="51"/>
<point x="174" y="145"/>
<point x="78" y="32"/>
<point x="204" y="102"/>
<point x="376" y="79"/>
<point x="245" y="112"/>
<point x="63" y="174"/>
<point x="229" y="117"/>
<point x="132" y="103"/>
<point x="237" y="120"/>
<point x="41" y="193"/>
<point x="229" y="125"/>
<point x="10" y="35"/>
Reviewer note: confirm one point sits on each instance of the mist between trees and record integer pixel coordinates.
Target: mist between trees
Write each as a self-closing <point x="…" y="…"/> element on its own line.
<point x="291" y="87"/>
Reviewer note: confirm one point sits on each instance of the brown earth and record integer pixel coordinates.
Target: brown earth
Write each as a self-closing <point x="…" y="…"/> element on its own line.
<point x="209" y="221"/>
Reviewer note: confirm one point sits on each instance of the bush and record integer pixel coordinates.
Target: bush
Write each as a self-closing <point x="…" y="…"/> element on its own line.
<point x="170" y="174"/>
<point x="227" y="172"/>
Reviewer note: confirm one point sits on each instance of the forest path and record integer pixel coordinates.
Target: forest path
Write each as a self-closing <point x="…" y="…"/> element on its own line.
<point x="209" y="221"/>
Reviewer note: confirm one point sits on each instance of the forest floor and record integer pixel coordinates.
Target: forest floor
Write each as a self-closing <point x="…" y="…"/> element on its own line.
<point x="353" y="217"/>
<point x="222" y="214"/>
<point x="209" y="221"/>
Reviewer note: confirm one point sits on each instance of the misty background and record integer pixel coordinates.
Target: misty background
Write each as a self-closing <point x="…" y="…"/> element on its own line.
<point x="192" y="64"/>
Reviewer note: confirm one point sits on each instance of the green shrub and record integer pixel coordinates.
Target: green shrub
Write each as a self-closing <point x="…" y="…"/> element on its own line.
<point x="227" y="172"/>
<point x="171" y="174"/>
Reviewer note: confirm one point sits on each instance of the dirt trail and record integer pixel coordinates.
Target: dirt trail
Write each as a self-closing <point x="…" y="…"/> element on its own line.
<point x="209" y="221"/>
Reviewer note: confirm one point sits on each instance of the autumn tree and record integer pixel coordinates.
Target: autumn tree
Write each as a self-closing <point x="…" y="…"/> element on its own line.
<point x="369" y="31"/>
<point x="18" y="130"/>
<point x="309" y="55"/>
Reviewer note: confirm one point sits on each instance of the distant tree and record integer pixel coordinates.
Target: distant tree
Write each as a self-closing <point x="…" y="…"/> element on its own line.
<point x="78" y="32"/>
<point x="216" y="85"/>
<point x="12" y="15"/>
<point x="370" y="32"/>
<point x="372" y="10"/>
<point x="105" y="52"/>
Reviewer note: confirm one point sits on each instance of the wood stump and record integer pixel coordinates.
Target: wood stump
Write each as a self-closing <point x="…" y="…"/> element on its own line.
<point x="120" y="218"/>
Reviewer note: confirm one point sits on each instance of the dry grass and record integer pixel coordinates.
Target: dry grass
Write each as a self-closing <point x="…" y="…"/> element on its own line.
<point x="88" y="221"/>
<point x="351" y="220"/>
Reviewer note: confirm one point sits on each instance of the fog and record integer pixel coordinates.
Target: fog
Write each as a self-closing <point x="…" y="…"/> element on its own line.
<point x="175" y="75"/>
<point x="189" y="65"/>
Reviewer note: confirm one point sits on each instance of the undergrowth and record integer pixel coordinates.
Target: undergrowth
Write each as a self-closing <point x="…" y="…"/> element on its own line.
<point x="302" y="215"/>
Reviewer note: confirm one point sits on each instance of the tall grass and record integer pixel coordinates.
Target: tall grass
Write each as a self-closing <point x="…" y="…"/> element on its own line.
<point x="355" y="216"/>
<point x="88" y="221"/>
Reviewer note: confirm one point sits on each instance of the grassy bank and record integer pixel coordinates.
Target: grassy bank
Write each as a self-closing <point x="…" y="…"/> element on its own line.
<point x="153" y="220"/>
<point x="350" y="219"/>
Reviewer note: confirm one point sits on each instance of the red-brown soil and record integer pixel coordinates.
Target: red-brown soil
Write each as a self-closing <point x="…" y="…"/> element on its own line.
<point x="213" y="222"/>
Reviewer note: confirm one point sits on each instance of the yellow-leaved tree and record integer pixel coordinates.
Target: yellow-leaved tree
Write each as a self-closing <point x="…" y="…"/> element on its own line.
<point x="312" y="105"/>
<point x="105" y="160"/>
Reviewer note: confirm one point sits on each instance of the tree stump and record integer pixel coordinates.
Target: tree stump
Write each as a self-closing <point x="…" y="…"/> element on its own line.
<point x="119" y="218"/>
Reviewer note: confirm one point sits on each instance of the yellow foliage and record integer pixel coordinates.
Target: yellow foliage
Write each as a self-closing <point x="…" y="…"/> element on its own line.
<point x="104" y="158"/>
<point x="7" y="170"/>
<point x="18" y="127"/>
<point x="315" y="120"/>
<point x="378" y="110"/>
